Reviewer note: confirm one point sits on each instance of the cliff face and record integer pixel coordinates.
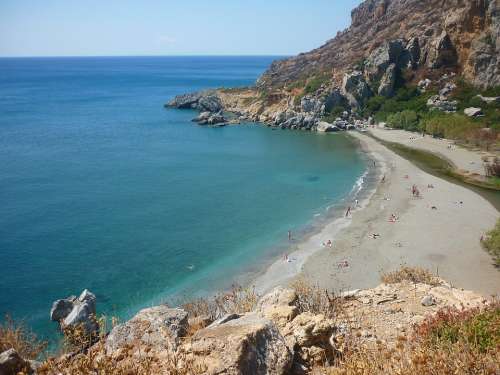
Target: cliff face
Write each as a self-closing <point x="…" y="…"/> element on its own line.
<point x="459" y="34"/>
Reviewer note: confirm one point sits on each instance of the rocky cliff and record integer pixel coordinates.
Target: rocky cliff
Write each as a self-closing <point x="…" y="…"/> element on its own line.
<point x="459" y="34"/>
<point x="389" y="43"/>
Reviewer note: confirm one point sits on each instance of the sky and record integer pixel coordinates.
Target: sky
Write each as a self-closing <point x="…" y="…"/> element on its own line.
<point x="167" y="27"/>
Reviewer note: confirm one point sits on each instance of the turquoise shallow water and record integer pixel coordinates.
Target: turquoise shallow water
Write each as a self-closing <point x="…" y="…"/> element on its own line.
<point x="103" y="188"/>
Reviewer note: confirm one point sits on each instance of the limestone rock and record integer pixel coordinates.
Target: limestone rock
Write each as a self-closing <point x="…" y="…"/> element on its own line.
<point x="388" y="81"/>
<point x="447" y="90"/>
<point x="355" y="89"/>
<point x="61" y="309"/>
<point x="250" y="345"/>
<point x="325" y="127"/>
<point x="473" y="112"/>
<point x="428" y="300"/>
<point x="443" y="52"/>
<point x="489" y="99"/>
<point x="160" y="327"/>
<point x="73" y="312"/>
<point x="11" y="363"/>
<point x="205" y="101"/>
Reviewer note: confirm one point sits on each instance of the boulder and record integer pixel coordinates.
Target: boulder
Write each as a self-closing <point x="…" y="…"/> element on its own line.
<point x="73" y="312"/>
<point x="249" y="345"/>
<point x="428" y="300"/>
<point x="424" y="84"/>
<point x="355" y="89"/>
<point x="11" y="363"/>
<point x="436" y="102"/>
<point x="325" y="127"/>
<point x="61" y="309"/>
<point x="388" y="81"/>
<point x="159" y="327"/>
<point x="489" y="99"/>
<point x="447" y="89"/>
<point x="473" y="112"/>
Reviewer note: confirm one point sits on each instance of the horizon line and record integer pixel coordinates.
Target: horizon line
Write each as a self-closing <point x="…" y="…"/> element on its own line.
<point x="108" y="56"/>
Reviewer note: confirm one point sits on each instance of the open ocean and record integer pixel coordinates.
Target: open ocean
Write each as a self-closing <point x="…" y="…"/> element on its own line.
<point x="103" y="188"/>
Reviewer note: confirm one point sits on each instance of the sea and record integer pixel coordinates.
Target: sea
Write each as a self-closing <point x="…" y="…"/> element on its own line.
<point x="103" y="188"/>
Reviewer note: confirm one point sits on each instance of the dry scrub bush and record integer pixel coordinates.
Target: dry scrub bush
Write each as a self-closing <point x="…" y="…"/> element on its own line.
<point x="453" y="342"/>
<point x="238" y="300"/>
<point x="412" y="274"/>
<point x="127" y="361"/>
<point x="18" y="337"/>
<point x="312" y="298"/>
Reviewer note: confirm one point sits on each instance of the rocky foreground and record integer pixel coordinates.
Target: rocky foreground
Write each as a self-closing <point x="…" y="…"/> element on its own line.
<point x="288" y="331"/>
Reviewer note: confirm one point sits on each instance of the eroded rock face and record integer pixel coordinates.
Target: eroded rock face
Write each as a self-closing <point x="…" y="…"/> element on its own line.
<point x="439" y="34"/>
<point x="159" y="327"/>
<point x="388" y="81"/>
<point x="249" y="345"/>
<point x="355" y="89"/>
<point x="204" y="101"/>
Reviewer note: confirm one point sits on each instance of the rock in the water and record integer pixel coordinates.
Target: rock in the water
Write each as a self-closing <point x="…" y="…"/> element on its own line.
<point x="203" y="101"/>
<point x="73" y="312"/>
<point x="11" y="363"/>
<point x="428" y="300"/>
<point x="61" y="309"/>
<point x="388" y="81"/>
<point x="83" y="313"/>
<point x="160" y="327"/>
<point x="473" y="112"/>
<point x="250" y="345"/>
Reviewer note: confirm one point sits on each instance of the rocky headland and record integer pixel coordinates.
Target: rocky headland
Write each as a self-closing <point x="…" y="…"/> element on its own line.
<point x="426" y="43"/>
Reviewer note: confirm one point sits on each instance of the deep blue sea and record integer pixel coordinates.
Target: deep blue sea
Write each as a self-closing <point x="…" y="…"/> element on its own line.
<point x="103" y="188"/>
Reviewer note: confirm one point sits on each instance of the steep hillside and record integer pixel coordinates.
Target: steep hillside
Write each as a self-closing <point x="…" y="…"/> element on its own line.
<point x="459" y="34"/>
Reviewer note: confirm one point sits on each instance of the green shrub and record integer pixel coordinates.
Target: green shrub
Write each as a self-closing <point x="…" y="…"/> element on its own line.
<point x="407" y="120"/>
<point x="492" y="243"/>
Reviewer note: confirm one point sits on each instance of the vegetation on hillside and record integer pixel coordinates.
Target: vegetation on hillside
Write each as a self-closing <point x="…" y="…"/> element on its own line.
<point x="492" y="243"/>
<point x="408" y="110"/>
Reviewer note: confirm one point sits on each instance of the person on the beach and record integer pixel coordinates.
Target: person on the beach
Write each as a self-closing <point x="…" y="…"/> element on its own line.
<point x="357" y="203"/>
<point x="375" y="236"/>
<point x="348" y="212"/>
<point x="289" y="235"/>
<point x="383" y="179"/>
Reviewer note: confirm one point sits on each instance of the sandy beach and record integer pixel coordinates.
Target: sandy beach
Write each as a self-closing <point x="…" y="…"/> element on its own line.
<point x="440" y="230"/>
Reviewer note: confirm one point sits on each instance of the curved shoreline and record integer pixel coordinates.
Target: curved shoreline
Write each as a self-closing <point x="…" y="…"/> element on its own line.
<point x="280" y="272"/>
<point x="444" y="239"/>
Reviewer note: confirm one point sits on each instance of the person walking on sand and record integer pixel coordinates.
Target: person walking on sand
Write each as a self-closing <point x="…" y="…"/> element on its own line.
<point x="348" y="212"/>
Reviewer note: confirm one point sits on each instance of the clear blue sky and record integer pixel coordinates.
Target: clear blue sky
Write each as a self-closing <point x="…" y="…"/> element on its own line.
<point x="168" y="27"/>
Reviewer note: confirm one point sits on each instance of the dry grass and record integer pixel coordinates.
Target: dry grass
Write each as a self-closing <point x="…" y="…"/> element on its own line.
<point x="453" y="342"/>
<point x="412" y="274"/>
<point x="238" y="300"/>
<point x="311" y="298"/>
<point x="125" y="362"/>
<point x="17" y="336"/>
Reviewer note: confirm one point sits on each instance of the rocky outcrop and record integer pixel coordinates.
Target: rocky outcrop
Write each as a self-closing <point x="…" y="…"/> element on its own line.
<point x="247" y="345"/>
<point x="435" y="34"/>
<point x="11" y="363"/>
<point x="440" y="103"/>
<point x="204" y="101"/>
<point x="388" y="81"/>
<point x="76" y="312"/>
<point x="159" y="327"/>
<point x="355" y="89"/>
